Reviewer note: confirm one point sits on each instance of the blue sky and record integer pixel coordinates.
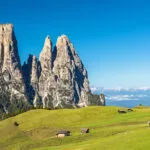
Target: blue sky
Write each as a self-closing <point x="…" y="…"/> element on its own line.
<point x="112" y="37"/>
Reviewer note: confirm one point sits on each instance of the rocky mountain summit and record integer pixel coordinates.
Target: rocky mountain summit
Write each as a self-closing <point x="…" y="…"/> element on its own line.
<point x="10" y="65"/>
<point x="57" y="79"/>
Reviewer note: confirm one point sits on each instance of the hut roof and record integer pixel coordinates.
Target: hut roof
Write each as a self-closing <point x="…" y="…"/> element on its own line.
<point x="63" y="132"/>
<point x="85" y="129"/>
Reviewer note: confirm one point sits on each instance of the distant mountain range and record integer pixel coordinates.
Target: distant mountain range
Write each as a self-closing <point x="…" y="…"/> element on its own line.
<point x="126" y="97"/>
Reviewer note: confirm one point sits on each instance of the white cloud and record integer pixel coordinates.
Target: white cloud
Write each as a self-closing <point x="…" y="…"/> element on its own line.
<point x="125" y="97"/>
<point x="118" y="89"/>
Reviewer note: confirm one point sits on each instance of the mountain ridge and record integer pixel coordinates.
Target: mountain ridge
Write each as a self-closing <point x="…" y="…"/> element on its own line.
<point x="58" y="79"/>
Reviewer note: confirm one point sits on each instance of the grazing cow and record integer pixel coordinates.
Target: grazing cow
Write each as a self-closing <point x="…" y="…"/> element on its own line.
<point x="121" y="111"/>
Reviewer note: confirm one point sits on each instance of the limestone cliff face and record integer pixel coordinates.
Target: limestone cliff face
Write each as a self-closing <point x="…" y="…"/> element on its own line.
<point x="46" y="67"/>
<point x="71" y="72"/>
<point x="65" y="83"/>
<point x="57" y="79"/>
<point x="31" y="73"/>
<point x="9" y="58"/>
<point x="10" y="66"/>
<point x="61" y="81"/>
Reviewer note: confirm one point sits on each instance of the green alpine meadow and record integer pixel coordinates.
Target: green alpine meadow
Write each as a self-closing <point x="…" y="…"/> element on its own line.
<point x="74" y="75"/>
<point x="37" y="129"/>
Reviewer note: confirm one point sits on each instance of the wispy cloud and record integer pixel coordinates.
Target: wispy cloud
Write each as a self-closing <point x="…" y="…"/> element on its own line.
<point x="94" y="88"/>
<point x="125" y="97"/>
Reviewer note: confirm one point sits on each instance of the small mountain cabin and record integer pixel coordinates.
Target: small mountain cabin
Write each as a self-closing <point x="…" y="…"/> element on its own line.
<point x="121" y="111"/>
<point x="85" y="130"/>
<point x="62" y="133"/>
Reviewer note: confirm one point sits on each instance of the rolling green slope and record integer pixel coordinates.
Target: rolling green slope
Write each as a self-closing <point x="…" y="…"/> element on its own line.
<point x="108" y="130"/>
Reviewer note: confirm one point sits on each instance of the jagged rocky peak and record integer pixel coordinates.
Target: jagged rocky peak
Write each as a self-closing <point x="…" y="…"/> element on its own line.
<point x="63" y="80"/>
<point x="6" y="33"/>
<point x="31" y="73"/>
<point x="34" y="71"/>
<point x="70" y="69"/>
<point x="46" y="56"/>
<point x="10" y="62"/>
<point x="57" y="79"/>
<point x="62" y="40"/>
<point x="9" y="57"/>
<point x="6" y="28"/>
<point x="64" y="58"/>
<point x="46" y="67"/>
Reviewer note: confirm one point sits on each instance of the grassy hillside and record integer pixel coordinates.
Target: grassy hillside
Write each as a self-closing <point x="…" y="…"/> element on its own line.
<point x="108" y="129"/>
